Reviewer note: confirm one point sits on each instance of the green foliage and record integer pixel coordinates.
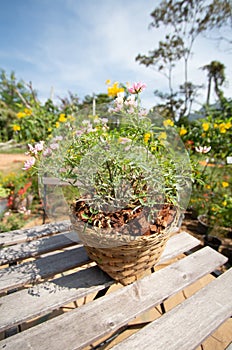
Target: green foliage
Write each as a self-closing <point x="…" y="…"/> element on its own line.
<point x="37" y="122"/>
<point x="7" y="117"/>
<point x="214" y="130"/>
<point x="129" y="158"/>
<point x="208" y="141"/>
<point x="12" y="222"/>
<point x="213" y="199"/>
<point x="13" y="91"/>
<point x="4" y="192"/>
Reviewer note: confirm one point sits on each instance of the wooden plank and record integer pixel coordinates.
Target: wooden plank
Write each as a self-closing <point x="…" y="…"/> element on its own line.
<point x="17" y="276"/>
<point x="178" y="244"/>
<point x="84" y="325"/>
<point x="37" y="247"/>
<point x="190" y="323"/>
<point x="43" y="298"/>
<point x="30" y="272"/>
<point x="19" y="236"/>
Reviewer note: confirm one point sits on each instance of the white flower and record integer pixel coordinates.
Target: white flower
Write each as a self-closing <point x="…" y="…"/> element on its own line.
<point x="131" y="101"/>
<point x="203" y="149"/>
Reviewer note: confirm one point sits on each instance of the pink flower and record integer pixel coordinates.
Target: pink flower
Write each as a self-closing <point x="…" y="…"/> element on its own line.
<point x="143" y="112"/>
<point x="37" y="148"/>
<point x="47" y="152"/>
<point x="104" y="120"/>
<point x="57" y="138"/>
<point x="136" y="88"/>
<point x="29" y="163"/>
<point x="54" y="146"/>
<point x="79" y="132"/>
<point x="124" y="140"/>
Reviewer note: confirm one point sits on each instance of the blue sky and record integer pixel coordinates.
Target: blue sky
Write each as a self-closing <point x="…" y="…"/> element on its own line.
<point x="75" y="45"/>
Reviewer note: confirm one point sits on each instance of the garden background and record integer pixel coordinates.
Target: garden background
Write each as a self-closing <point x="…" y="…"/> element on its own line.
<point x="205" y="127"/>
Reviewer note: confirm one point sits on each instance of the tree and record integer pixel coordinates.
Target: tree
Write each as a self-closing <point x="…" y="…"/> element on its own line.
<point x="7" y="116"/>
<point x="183" y="22"/>
<point x="14" y="92"/>
<point x="216" y="73"/>
<point x="69" y="104"/>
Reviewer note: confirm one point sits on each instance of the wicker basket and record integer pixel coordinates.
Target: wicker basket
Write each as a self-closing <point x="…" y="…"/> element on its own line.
<point x="122" y="257"/>
<point x="128" y="263"/>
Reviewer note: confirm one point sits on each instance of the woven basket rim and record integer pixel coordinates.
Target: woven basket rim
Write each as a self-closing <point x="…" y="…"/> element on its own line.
<point x="94" y="237"/>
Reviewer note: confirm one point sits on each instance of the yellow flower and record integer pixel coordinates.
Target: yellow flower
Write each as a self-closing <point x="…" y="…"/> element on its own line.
<point x="57" y="124"/>
<point x="228" y="125"/>
<point x="183" y="131"/>
<point x="62" y="118"/>
<point x="215" y="125"/>
<point x="205" y="126"/>
<point x="208" y="187"/>
<point x="49" y="129"/>
<point x="222" y="128"/>
<point x="114" y="89"/>
<point x="16" y="127"/>
<point x="28" y="111"/>
<point x="168" y="122"/>
<point x="147" y="137"/>
<point x="21" y="115"/>
<point x="225" y="184"/>
<point x="71" y="118"/>
<point x="162" y="136"/>
<point x="224" y="203"/>
<point x="214" y="209"/>
<point x="108" y="82"/>
<point x="203" y="135"/>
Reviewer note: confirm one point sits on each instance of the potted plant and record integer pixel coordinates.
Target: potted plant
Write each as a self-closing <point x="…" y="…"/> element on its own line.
<point x="130" y="180"/>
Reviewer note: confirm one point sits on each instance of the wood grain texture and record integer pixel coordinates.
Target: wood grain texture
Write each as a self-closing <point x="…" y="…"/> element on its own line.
<point x="43" y="298"/>
<point x="183" y="240"/>
<point x="82" y="326"/>
<point x="37" y="247"/>
<point x="26" y="235"/>
<point x="30" y="272"/>
<point x="190" y="323"/>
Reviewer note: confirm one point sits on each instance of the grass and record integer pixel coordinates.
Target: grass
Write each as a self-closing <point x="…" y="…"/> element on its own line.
<point x="14" y="150"/>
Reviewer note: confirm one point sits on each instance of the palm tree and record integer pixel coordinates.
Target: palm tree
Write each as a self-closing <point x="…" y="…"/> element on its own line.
<point x="216" y="73"/>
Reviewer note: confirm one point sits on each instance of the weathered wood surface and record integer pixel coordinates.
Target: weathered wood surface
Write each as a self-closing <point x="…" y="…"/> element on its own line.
<point x="43" y="298"/>
<point x="19" y="236"/>
<point x="183" y="240"/>
<point x="37" y="247"/>
<point x="50" y="243"/>
<point x="190" y="323"/>
<point x="32" y="271"/>
<point x="84" y="325"/>
<point x="28" y="272"/>
<point x="52" y="299"/>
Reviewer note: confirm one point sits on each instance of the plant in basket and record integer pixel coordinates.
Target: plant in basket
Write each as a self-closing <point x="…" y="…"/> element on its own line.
<point x="129" y="180"/>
